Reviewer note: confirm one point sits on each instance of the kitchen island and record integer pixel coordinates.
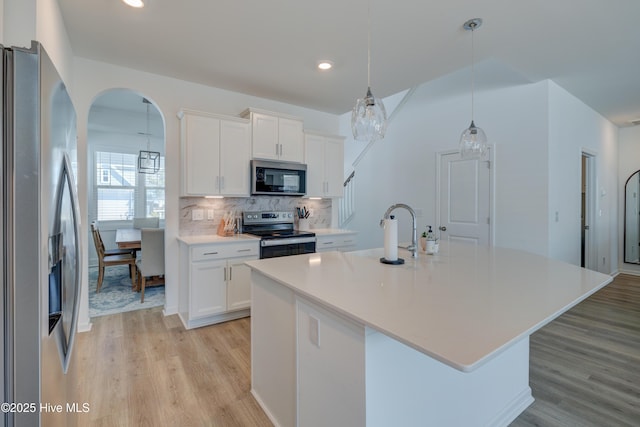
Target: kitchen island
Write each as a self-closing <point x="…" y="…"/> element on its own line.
<point x="341" y="339"/>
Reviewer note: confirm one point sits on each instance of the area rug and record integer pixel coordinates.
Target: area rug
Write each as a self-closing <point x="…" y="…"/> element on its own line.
<point x="116" y="295"/>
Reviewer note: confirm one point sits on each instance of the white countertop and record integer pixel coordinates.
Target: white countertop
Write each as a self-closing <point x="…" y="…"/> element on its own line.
<point x="461" y="306"/>
<point x="214" y="238"/>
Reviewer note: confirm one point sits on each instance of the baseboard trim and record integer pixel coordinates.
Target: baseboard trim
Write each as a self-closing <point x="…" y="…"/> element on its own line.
<point x="85" y="327"/>
<point x="264" y="408"/>
<point x="513" y="409"/>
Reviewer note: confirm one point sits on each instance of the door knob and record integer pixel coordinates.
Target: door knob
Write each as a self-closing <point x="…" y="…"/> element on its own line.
<point x="442" y="228"/>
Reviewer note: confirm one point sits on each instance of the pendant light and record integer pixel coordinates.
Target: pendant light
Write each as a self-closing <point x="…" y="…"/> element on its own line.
<point x="148" y="161"/>
<point x="473" y="141"/>
<point x="369" y="118"/>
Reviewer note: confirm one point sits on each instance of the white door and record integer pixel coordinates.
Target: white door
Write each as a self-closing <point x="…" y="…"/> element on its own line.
<point x="464" y="199"/>
<point x="588" y="257"/>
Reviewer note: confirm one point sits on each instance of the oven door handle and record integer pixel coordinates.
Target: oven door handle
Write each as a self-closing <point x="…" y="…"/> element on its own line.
<point x="288" y="241"/>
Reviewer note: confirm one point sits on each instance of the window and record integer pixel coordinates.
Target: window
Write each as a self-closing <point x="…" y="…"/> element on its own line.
<point x="121" y="193"/>
<point x="154" y="192"/>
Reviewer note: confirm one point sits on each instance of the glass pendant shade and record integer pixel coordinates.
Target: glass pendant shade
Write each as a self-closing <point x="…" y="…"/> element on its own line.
<point x="369" y="118"/>
<point x="148" y="161"/>
<point x="473" y="143"/>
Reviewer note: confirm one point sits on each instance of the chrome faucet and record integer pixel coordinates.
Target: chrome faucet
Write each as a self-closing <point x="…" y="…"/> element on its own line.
<point x="414" y="243"/>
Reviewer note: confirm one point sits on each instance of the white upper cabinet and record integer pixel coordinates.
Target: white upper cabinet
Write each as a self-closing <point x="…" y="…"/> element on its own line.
<point x="276" y="137"/>
<point x="216" y="151"/>
<point x="235" y="154"/>
<point x="324" y="156"/>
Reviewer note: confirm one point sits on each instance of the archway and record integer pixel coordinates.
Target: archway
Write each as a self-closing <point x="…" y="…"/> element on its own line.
<point x="121" y="124"/>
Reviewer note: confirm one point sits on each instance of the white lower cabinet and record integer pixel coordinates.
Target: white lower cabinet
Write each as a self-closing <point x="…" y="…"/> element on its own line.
<point x="208" y="289"/>
<point x="238" y="285"/>
<point x="215" y="285"/>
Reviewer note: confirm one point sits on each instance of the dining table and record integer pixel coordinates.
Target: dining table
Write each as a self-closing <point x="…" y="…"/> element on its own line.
<point x="128" y="238"/>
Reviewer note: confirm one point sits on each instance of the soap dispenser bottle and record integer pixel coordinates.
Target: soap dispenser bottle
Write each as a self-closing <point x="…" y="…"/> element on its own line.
<point x="431" y="241"/>
<point x="430" y="235"/>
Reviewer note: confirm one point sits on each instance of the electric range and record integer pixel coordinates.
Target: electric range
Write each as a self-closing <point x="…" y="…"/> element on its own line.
<point x="278" y="236"/>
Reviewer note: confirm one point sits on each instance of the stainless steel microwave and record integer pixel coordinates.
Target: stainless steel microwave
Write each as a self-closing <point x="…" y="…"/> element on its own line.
<point x="273" y="178"/>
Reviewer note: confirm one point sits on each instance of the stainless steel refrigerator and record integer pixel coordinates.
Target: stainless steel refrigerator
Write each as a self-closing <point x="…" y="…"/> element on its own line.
<point x="40" y="249"/>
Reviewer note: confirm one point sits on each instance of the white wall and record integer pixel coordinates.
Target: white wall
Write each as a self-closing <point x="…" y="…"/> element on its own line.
<point x="19" y="22"/>
<point x="91" y="78"/>
<point x="402" y="167"/>
<point x="41" y="20"/>
<point x="574" y="128"/>
<point x="538" y="132"/>
<point x="628" y="163"/>
<point x="51" y="32"/>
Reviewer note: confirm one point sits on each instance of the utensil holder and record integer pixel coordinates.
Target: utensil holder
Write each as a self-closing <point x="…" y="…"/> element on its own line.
<point x="303" y="224"/>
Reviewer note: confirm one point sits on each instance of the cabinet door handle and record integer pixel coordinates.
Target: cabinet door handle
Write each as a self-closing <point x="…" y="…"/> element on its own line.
<point x="225" y="274"/>
<point x="277" y="148"/>
<point x="327" y="243"/>
<point x="211" y="253"/>
<point x="230" y="273"/>
<point x="244" y="250"/>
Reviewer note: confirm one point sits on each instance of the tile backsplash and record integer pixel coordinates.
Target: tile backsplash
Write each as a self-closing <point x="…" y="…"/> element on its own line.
<point x="188" y="227"/>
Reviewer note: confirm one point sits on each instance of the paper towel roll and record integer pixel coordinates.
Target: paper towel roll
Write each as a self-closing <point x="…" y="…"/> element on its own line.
<point x="391" y="239"/>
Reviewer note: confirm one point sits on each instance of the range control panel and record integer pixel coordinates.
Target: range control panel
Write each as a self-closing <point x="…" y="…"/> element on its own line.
<point x="268" y="217"/>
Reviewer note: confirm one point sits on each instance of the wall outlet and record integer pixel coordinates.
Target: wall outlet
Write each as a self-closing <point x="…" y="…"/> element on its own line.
<point x="314" y="331"/>
<point x="210" y="214"/>
<point x="197" y="214"/>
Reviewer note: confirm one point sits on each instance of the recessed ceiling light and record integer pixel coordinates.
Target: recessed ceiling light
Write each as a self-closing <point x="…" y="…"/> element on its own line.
<point x="325" y="65"/>
<point x="135" y="3"/>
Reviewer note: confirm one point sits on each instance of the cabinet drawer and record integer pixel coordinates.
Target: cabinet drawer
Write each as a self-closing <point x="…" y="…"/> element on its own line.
<point x="211" y="252"/>
<point x="335" y="241"/>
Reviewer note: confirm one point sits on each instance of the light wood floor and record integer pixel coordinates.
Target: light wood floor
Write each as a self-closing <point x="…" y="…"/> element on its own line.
<point x="143" y="369"/>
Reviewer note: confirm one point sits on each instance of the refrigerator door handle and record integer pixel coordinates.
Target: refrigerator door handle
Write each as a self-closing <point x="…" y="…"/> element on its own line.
<point x="67" y="184"/>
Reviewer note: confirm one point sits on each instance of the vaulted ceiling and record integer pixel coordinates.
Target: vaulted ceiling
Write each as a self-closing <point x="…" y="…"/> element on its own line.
<point x="270" y="48"/>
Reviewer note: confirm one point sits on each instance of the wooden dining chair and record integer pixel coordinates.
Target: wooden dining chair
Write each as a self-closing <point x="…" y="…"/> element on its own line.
<point x="108" y="258"/>
<point x="150" y="266"/>
<point x="116" y="251"/>
<point x="151" y="222"/>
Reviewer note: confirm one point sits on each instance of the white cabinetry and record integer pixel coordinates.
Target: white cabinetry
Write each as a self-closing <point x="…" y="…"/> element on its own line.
<point x="342" y="242"/>
<point x="275" y="136"/>
<point x="216" y="283"/>
<point x="215" y="154"/>
<point x="324" y="156"/>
